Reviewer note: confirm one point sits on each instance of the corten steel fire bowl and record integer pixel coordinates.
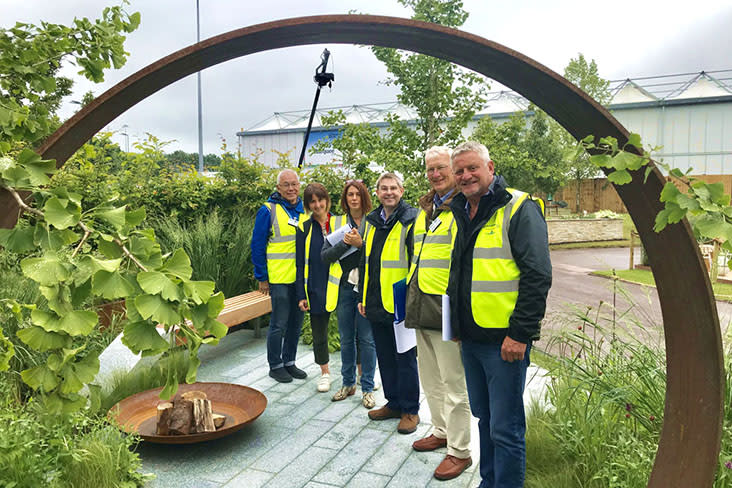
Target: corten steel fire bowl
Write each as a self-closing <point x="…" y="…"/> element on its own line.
<point x="240" y="404"/>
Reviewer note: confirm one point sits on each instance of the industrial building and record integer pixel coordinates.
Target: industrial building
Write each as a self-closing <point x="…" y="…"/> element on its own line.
<point x="688" y="115"/>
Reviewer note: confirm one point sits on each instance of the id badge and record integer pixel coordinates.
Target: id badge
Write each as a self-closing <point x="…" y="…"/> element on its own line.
<point x="292" y="221"/>
<point x="435" y="224"/>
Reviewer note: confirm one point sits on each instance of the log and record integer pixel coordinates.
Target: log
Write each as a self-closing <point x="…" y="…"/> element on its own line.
<point x="163" y="418"/>
<point x="219" y="420"/>
<point x="181" y="419"/>
<point x="202" y="416"/>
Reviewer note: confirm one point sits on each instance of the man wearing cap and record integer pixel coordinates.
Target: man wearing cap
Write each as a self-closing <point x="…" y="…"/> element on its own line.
<point x="440" y="365"/>
<point x="499" y="280"/>
<point x="273" y="256"/>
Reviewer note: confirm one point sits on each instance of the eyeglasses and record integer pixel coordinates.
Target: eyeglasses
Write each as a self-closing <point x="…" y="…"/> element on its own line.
<point x="289" y="185"/>
<point x="437" y="169"/>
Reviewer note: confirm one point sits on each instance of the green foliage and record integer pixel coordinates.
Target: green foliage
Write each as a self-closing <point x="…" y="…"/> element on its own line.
<point x="111" y="258"/>
<point x="38" y="448"/>
<point x="30" y="59"/>
<point x="529" y="157"/>
<point x="219" y="249"/>
<point x="334" y="338"/>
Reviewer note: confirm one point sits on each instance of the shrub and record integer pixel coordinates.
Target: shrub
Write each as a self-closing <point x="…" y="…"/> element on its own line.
<point x="218" y="248"/>
<point x="57" y="451"/>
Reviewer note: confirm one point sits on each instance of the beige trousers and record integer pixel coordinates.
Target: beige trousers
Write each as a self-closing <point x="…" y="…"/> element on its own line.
<point x="443" y="381"/>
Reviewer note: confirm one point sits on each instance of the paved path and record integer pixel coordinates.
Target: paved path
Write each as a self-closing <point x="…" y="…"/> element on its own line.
<point x="302" y="439"/>
<point x="305" y="440"/>
<point x="573" y="286"/>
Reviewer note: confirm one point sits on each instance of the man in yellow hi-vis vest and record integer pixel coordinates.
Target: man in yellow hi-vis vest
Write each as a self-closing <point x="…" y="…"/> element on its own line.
<point x="387" y="251"/>
<point x="500" y="276"/>
<point x="273" y="255"/>
<point x="440" y="365"/>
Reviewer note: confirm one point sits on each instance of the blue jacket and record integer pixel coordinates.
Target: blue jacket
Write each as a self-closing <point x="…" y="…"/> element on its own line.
<point x="263" y="230"/>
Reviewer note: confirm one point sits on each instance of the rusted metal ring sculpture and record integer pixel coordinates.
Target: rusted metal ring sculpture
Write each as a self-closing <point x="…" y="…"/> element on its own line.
<point x="689" y="443"/>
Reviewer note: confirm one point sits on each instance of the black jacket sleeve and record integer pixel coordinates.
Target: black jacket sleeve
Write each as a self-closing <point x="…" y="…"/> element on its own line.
<point x="530" y="248"/>
<point x="300" y="262"/>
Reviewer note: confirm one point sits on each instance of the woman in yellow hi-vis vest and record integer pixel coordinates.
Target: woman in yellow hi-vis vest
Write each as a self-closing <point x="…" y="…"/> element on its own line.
<point x="273" y="256"/>
<point x="387" y="252"/>
<point x="313" y="291"/>
<point x="343" y="258"/>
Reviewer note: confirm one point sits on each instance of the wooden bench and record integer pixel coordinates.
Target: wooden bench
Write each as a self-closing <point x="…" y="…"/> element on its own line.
<point x="243" y="308"/>
<point x="237" y="310"/>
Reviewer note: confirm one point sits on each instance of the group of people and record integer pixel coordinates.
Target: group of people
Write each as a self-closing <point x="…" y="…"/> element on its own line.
<point x="474" y="245"/>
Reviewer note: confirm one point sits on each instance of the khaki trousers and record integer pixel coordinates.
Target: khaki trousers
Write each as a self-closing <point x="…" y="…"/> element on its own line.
<point x="443" y="381"/>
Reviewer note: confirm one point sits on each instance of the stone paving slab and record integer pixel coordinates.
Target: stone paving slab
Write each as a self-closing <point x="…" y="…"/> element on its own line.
<point x="303" y="439"/>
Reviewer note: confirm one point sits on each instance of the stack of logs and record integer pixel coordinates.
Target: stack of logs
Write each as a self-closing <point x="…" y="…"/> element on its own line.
<point x="189" y="413"/>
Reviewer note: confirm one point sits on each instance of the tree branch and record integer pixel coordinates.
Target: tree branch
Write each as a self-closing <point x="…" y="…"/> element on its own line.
<point x="24" y="206"/>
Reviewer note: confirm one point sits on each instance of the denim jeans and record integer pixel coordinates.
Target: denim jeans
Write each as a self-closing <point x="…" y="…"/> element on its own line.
<point x="495" y="390"/>
<point x="399" y="373"/>
<point x="285" y="324"/>
<point x="350" y="324"/>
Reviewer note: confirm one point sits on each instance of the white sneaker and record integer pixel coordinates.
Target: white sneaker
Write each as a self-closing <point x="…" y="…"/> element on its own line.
<point x="324" y="382"/>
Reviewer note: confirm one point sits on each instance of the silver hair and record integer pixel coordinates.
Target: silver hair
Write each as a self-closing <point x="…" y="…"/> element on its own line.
<point x="471" y="146"/>
<point x="390" y="176"/>
<point x="281" y="173"/>
<point x="435" y="151"/>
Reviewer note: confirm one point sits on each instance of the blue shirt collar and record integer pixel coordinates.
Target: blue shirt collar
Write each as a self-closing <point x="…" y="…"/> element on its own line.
<point x="438" y="201"/>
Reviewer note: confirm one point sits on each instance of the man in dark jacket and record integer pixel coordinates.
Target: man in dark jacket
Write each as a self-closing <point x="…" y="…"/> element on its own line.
<point x="387" y="251"/>
<point x="273" y="256"/>
<point x="499" y="280"/>
<point x="440" y="365"/>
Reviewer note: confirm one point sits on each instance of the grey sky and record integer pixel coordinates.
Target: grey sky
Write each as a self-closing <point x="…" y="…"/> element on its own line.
<point x="639" y="38"/>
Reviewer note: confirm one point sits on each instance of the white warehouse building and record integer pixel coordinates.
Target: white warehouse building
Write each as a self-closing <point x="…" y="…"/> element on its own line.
<point x="688" y="115"/>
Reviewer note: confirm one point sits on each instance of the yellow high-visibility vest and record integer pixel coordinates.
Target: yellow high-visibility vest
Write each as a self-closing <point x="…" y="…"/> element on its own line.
<point x="432" y="250"/>
<point x="394" y="261"/>
<point x="281" y="246"/>
<point x="495" y="279"/>
<point x="334" y="272"/>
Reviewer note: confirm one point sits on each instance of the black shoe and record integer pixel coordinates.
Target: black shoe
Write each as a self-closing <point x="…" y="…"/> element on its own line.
<point x="296" y="372"/>
<point x="280" y="375"/>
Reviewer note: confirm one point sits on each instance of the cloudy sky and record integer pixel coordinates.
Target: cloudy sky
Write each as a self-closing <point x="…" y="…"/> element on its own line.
<point x="627" y="38"/>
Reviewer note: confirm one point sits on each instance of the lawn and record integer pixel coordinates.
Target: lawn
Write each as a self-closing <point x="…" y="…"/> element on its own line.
<point x="722" y="291"/>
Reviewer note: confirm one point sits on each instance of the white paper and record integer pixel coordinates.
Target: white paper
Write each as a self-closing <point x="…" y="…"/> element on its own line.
<point x="406" y="339"/>
<point x="337" y="236"/>
<point x="446" y="325"/>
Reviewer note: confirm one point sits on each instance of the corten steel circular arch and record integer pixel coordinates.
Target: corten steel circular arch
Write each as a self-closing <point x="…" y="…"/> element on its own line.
<point x="689" y="444"/>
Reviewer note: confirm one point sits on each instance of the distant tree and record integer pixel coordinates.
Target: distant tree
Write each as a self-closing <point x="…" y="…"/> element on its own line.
<point x="529" y="156"/>
<point x="444" y="96"/>
<point x="587" y="77"/>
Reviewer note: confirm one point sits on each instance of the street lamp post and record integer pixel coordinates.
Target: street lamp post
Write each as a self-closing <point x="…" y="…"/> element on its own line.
<point x="200" y="110"/>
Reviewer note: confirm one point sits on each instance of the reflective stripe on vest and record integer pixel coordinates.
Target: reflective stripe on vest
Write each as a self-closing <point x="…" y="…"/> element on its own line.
<point x="334" y="271"/>
<point x="393" y="259"/>
<point x="281" y="246"/>
<point x="432" y="252"/>
<point x="494" y="288"/>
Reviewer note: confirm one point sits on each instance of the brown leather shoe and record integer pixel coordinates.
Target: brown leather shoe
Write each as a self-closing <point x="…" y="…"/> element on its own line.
<point x="451" y="467"/>
<point x="384" y="413"/>
<point x="408" y="423"/>
<point x="429" y="443"/>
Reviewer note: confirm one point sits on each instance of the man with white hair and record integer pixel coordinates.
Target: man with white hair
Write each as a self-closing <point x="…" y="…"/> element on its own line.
<point x="273" y="255"/>
<point x="499" y="280"/>
<point x="440" y="365"/>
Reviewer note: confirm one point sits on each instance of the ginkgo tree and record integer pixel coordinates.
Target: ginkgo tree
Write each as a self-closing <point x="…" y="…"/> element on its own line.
<point x="79" y="255"/>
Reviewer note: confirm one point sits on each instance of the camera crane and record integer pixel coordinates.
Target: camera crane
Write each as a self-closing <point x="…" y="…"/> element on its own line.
<point x="321" y="78"/>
